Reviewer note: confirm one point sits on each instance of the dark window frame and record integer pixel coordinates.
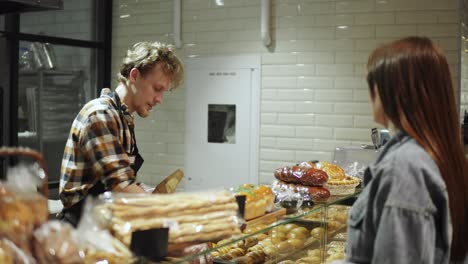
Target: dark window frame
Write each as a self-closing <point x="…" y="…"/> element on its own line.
<point x="13" y="36"/>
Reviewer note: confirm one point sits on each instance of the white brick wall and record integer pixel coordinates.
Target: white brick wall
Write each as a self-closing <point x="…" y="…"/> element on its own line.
<point x="464" y="60"/>
<point x="314" y="93"/>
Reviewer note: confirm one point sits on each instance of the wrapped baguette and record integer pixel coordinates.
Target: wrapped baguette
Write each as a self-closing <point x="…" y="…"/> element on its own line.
<point x="191" y="217"/>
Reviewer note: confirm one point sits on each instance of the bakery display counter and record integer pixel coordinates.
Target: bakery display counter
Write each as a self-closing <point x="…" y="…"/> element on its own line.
<point x="310" y="234"/>
<point x="295" y="220"/>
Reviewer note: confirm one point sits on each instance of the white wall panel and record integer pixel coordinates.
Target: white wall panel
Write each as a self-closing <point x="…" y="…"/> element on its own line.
<point x="314" y="93"/>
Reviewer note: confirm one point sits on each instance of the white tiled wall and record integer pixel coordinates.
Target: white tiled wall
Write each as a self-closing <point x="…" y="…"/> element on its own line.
<point x="314" y="93"/>
<point x="464" y="58"/>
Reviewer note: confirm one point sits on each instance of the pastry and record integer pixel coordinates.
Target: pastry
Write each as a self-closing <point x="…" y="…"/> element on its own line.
<point x="270" y="251"/>
<point x="20" y="213"/>
<point x="298" y="175"/>
<point x="259" y="199"/>
<point x="55" y="242"/>
<point x="314" y="193"/>
<point x="317" y="232"/>
<point x="236" y="252"/>
<point x="309" y="260"/>
<point x="284" y="247"/>
<point x="345" y="186"/>
<point x="333" y="171"/>
<point x="6" y="256"/>
<point x="296" y="243"/>
<point x="255" y="248"/>
<point x="199" y="216"/>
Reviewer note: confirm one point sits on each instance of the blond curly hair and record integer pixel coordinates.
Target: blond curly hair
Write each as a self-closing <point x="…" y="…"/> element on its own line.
<point x="145" y="55"/>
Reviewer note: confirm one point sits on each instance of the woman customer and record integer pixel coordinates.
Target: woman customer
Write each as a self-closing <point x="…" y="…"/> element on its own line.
<point x="414" y="207"/>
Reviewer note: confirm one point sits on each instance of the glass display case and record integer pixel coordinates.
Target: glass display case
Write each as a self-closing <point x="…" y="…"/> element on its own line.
<point x="54" y="82"/>
<point x="313" y="234"/>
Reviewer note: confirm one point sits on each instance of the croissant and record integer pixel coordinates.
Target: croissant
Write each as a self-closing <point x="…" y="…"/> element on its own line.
<point x="236" y="252"/>
<point x="257" y="256"/>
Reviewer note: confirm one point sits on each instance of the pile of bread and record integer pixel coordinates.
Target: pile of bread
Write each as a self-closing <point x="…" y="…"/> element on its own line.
<point x="313" y="181"/>
<point x="268" y="246"/>
<point x="302" y="181"/>
<point x="191" y="217"/>
<point x="339" y="183"/>
<point x="20" y="215"/>
<point x="259" y="200"/>
<point x="26" y="235"/>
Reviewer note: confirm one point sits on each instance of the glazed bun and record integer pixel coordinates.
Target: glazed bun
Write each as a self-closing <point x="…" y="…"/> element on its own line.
<point x="334" y="171"/>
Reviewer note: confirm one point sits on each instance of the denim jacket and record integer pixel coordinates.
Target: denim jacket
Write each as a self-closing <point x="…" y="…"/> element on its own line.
<point x="402" y="214"/>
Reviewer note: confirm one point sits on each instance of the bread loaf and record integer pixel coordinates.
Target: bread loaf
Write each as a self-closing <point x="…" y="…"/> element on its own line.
<point x="304" y="176"/>
<point x="315" y="193"/>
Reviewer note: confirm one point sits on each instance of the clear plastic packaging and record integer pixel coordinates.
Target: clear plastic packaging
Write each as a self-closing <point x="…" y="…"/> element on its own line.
<point x="299" y="184"/>
<point x="56" y="242"/>
<point x="339" y="183"/>
<point x="96" y="243"/>
<point x="354" y="159"/>
<point x="11" y="254"/>
<point x="190" y="217"/>
<point x="22" y="208"/>
<point x="260" y="199"/>
<point x="289" y="192"/>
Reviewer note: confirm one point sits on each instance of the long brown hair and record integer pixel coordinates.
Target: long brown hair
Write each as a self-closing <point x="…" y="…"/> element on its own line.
<point x="412" y="78"/>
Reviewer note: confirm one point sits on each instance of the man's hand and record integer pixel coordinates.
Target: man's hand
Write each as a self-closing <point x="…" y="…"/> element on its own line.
<point x="132" y="188"/>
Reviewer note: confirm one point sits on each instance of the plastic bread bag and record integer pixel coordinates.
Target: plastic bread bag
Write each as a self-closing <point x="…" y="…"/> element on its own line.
<point x="196" y="251"/>
<point x="192" y="217"/>
<point x="355" y="159"/>
<point x="10" y="253"/>
<point x="259" y="199"/>
<point x="292" y="195"/>
<point x="56" y="242"/>
<point x="22" y="208"/>
<point x="356" y="169"/>
<point x="96" y="242"/>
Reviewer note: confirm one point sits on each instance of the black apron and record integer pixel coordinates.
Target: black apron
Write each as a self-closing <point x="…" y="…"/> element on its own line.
<point x="73" y="214"/>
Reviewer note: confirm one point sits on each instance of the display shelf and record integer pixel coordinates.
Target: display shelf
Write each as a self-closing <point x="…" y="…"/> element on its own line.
<point x="296" y="218"/>
<point x="49" y="72"/>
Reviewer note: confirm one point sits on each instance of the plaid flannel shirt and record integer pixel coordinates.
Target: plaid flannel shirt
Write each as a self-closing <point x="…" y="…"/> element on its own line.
<point x="94" y="150"/>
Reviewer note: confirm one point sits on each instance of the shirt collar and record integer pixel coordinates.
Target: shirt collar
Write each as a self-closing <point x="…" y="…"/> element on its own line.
<point x="395" y="141"/>
<point x="106" y="92"/>
<point x="399" y="137"/>
<point x="124" y="109"/>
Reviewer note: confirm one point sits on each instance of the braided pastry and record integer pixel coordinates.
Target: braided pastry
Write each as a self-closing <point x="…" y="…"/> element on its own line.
<point x="247" y="243"/>
<point x="225" y="257"/>
<point x="244" y="260"/>
<point x="296" y="174"/>
<point x="224" y="250"/>
<point x="257" y="247"/>
<point x="237" y="252"/>
<point x="257" y="256"/>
